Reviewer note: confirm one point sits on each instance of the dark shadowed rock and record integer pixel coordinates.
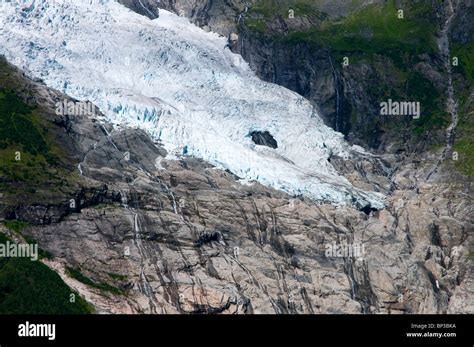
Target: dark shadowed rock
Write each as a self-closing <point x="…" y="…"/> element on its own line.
<point x="263" y="138"/>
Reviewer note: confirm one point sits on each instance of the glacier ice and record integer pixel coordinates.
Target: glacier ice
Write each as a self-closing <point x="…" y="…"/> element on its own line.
<point x="183" y="86"/>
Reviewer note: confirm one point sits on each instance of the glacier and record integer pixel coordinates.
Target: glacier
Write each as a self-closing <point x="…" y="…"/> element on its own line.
<point x="184" y="87"/>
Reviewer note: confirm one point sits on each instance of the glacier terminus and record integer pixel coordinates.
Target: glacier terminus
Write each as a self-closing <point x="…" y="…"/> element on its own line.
<point x="182" y="85"/>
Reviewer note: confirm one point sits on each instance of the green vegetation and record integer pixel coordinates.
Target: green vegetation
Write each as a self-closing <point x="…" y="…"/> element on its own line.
<point x="30" y="287"/>
<point x="267" y="9"/>
<point x="433" y="115"/>
<point x="464" y="142"/>
<point x="463" y="79"/>
<point x="15" y="225"/>
<point x="373" y="29"/>
<point x="78" y="275"/>
<point x="31" y="161"/>
<point x="19" y="128"/>
<point x="376" y="30"/>
<point x="465" y="54"/>
<point x="305" y="8"/>
<point x="104" y="206"/>
<point x="255" y="24"/>
<point x="117" y="277"/>
<point x="21" y="131"/>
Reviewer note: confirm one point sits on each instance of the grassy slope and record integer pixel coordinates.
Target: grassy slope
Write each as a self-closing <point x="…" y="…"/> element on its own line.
<point x="375" y="29"/>
<point x="30" y="287"/>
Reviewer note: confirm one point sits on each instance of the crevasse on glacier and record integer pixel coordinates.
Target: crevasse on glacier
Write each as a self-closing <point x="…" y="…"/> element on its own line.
<point x="183" y="86"/>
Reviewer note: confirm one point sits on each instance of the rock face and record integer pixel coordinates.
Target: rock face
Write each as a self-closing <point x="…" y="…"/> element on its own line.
<point x="149" y="8"/>
<point x="217" y="16"/>
<point x="264" y="139"/>
<point x="181" y="236"/>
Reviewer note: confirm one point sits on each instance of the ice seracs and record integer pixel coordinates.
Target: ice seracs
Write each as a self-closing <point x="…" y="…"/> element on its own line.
<point x="184" y="86"/>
